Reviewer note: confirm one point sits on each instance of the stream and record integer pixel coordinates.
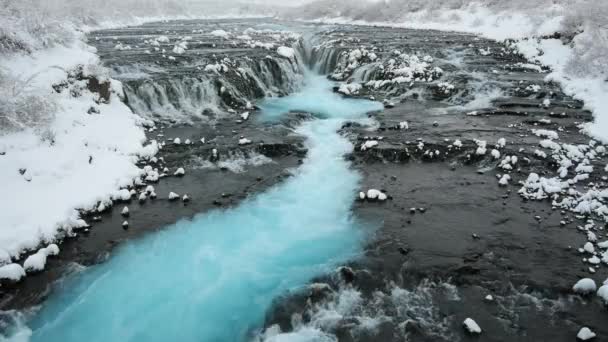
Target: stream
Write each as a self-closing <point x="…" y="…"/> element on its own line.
<point x="212" y="278"/>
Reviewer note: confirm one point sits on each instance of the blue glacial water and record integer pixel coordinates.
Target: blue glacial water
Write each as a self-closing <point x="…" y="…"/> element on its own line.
<point x="212" y="278"/>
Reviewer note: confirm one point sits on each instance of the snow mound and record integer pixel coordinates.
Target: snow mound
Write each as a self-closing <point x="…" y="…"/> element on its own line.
<point x="584" y="286"/>
<point x="585" y="334"/>
<point x="12" y="272"/>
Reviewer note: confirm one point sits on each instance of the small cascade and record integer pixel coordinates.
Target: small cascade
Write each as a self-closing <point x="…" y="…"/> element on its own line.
<point x="208" y="94"/>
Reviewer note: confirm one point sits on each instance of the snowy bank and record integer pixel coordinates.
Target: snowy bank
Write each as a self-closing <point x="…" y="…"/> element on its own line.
<point x="577" y="58"/>
<point x="83" y="156"/>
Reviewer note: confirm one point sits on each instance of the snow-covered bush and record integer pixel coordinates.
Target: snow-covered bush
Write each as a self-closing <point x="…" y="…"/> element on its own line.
<point x="21" y="108"/>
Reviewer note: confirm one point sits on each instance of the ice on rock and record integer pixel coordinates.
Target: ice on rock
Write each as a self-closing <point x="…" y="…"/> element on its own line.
<point x="186" y="198"/>
<point x="142" y="197"/>
<point x="584" y="286"/>
<point x="403" y="125"/>
<point x="489" y="298"/>
<point x="471" y="326"/>
<point x="149" y="189"/>
<point x="546" y="103"/>
<point x="125" y="211"/>
<point x="177" y="141"/>
<point x="173" y="196"/>
<point x="244" y="141"/>
<point x="179" y="172"/>
<point x="361" y="196"/>
<point x="245" y="116"/>
<point x="457" y="143"/>
<point x="585" y="334"/>
<point x="12" y="272"/>
<point x="125" y="224"/>
<point x="501" y="143"/>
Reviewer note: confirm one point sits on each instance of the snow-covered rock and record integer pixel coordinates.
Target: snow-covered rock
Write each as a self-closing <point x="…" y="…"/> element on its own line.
<point x="179" y="172"/>
<point x="173" y="196"/>
<point x="244" y="141"/>
<point x="585" y="334"/>
<point x="504" y="180"/>
<point x="603" y="293"/>
<point x="286" y="52"/>
<point x="125" y="211"/>
<point x="12" y="272"/>
<point x="52" y="249"/>
<point x="369" y="144"/>
<point x="588" y="247"/>
<point x="220" y="33"/>
<point x="471" y="326"/>
<point x="36" y="261"/>
<point x="374" y="194"/>
<point x="585" y="286"/>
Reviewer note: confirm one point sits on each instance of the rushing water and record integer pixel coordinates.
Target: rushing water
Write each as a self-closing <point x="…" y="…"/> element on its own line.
<point x="213" y="277"/>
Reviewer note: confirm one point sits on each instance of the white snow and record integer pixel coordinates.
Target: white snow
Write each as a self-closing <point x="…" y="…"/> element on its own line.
<point x="584" y="286"/>
<point x="91" y="156"/>
<point x="179" y="172"/>
<point x="37" y="261"/>
<point x="349" y="88"/>
<point x="585" y="334"/>
<point x="504" y="180"/>
<point x="376" y="194"/>
<point x="12" y="272"/>
<point x="369" y="144"/>
<point x="220" y="33"/>
<point x="173" y="196"/>
<point x="244" y="141"/>
<point x="471" y="326"/>
<point x="286" y="52"/>
<point x="603" y="293"/>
